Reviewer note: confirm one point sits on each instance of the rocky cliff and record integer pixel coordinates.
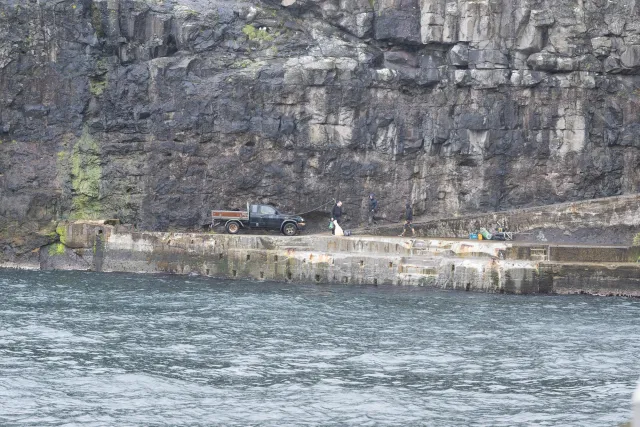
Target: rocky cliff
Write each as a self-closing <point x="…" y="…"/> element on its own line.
<point x="157" y="111"/>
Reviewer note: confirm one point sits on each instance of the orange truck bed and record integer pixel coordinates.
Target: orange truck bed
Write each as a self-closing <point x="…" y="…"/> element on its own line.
<point x="226" y="215"/>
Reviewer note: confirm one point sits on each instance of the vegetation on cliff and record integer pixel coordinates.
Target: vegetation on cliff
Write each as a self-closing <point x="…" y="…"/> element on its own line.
<point x="86" y="172"/>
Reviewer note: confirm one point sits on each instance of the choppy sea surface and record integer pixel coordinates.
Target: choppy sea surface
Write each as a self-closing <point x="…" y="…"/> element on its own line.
<point x="116" y="349"/>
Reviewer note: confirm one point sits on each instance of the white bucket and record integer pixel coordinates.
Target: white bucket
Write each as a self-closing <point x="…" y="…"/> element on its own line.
<point x="338" y="229"/>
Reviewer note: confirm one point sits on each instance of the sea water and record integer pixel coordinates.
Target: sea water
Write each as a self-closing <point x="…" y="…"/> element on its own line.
<point x="93" y="349"/>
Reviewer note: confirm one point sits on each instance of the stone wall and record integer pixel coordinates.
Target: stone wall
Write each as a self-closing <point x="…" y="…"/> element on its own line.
<point x="157" y="111"/>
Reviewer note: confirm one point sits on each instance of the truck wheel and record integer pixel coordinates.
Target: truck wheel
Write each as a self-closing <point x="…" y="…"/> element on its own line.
<point x="233" y="228"/>
<point x="289" y="229"/>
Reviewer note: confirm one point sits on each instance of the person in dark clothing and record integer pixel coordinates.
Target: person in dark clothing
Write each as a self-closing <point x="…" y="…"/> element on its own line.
<point x="336" y="214"/>
<point x="373" y="207"/>
<point x="408" y="218"/>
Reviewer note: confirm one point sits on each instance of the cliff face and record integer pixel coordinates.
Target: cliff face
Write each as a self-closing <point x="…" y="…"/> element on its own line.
<point x="157" y="111"/>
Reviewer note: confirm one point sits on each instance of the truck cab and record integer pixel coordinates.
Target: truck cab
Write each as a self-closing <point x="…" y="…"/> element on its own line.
<point x="264" y="216"/>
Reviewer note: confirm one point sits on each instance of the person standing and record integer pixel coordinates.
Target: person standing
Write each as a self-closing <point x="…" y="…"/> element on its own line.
<point x="373" y="207"/>
<point x="336" y="214"/>
<point x="408" y="218"/>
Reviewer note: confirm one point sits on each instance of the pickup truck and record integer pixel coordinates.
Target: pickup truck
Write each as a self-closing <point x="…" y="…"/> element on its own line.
<point x="258" y="217"/>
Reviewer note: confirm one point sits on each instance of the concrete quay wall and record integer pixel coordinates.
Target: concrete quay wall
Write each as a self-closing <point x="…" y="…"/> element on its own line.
<point x="485" y="266"/>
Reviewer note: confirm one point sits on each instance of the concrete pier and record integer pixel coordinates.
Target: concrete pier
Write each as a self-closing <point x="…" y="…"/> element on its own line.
<point x="486" y="266"/>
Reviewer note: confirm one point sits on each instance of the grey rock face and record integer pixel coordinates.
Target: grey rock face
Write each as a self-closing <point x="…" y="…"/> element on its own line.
<point x="158" y="111"/>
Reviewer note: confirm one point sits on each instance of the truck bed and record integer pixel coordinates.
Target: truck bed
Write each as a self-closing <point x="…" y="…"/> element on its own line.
<point x="226" y="215"/>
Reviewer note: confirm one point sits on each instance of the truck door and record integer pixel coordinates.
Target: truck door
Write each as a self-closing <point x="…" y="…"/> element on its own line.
<point x="269" y="217"/>
<point x="255" y="217"/>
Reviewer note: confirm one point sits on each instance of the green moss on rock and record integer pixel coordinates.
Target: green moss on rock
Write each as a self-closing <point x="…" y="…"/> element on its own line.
<point x="86" y="173"/>
<point x="56" y="249"/>
<point x="61" y="231"/>
<point x="97" y="86"/>
<point x="257" y="34"/>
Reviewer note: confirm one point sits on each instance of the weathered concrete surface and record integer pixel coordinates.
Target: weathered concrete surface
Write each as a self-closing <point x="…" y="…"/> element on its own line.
<point x="593" y="278"/>
<point x="156" y="111"/>
<point x="484" y="266"/>
<point x="573" y="253"/>
<point x="604" y="220"/>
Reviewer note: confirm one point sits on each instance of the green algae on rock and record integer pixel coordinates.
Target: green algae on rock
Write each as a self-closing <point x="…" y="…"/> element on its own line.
<point x="86" y="173"/>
